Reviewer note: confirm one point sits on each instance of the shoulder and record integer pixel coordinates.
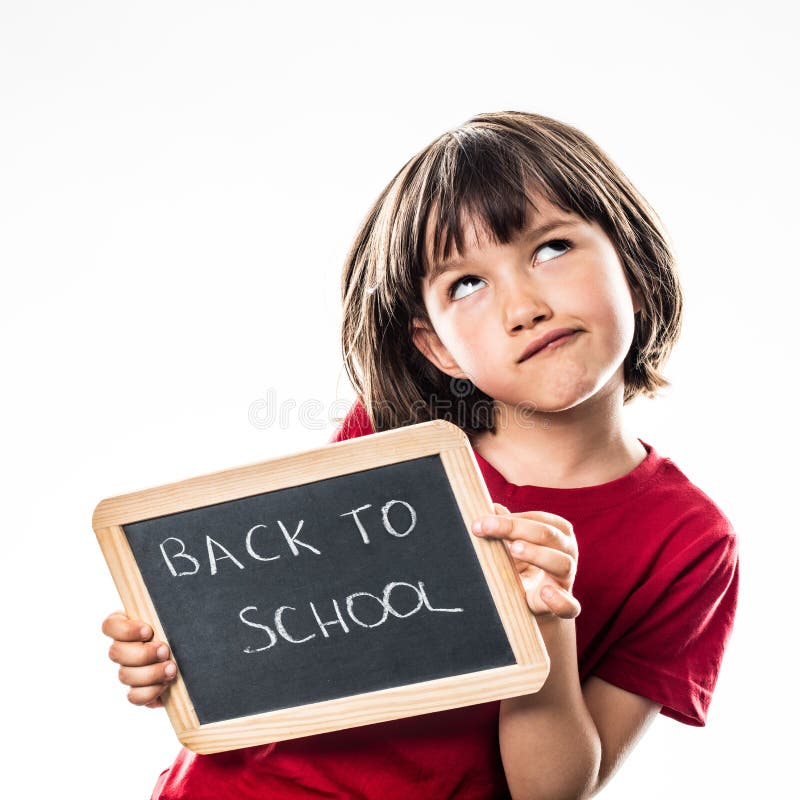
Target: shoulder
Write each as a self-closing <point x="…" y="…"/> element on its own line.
<point x="685" y="512"/>
<point x="687" y="546"/>
<point x="355" y="423"/>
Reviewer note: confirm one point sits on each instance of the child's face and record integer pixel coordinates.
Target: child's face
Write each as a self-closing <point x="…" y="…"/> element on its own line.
<point x="501" y="298"/>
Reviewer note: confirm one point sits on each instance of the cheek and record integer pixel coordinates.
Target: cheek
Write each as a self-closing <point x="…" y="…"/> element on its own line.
<point x="625" y="317"/>
<point x="609" y="306"/>
<point x="466" y="335"/>
<point x="618" y="311"/>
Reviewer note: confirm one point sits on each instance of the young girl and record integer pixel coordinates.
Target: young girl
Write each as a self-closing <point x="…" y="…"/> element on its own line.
<point x="511" y="280"/>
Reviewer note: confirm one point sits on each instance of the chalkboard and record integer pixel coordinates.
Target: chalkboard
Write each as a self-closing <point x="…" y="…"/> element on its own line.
<point x="330" y="588"/>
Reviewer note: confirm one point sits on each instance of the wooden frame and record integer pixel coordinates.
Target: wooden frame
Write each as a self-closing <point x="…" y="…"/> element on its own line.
<point x="436" y="437"/>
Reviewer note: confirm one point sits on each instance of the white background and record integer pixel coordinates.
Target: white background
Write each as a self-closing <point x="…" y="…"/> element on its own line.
<point x="179" y="183"/>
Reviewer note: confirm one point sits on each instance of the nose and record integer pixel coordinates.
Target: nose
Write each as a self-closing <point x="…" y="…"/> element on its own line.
<point x="523" y="303"/>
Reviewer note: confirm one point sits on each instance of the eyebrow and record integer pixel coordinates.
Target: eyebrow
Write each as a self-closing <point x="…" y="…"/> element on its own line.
<point x="441" y="267"/>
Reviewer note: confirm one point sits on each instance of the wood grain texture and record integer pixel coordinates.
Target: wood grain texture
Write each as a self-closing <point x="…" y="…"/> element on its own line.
<point x="331" y="460"/>
<point x="339" y="458"/>
<point x="366" y="709"/>
<point x="504" y="582"/>
<point x="138" y="605"/>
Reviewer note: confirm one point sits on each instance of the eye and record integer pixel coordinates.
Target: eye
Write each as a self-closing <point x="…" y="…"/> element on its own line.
<point x="553" y="249"/>
<point x="465" y="280"/>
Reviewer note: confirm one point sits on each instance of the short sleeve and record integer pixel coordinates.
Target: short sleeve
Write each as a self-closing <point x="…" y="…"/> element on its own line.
<point x="355" y="423"/>
<point x="681" y="621"/>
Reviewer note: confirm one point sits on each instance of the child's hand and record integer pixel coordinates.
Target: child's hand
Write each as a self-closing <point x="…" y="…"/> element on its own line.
<point x="144" y="664"/>
<point x="545" y="554"/>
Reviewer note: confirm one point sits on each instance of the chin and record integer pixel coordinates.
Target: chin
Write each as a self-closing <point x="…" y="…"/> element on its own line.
<point x="553" y="402"/>
<point x="542" y="403"/>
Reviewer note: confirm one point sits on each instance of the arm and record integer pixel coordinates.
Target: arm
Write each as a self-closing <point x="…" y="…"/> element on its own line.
<point x="566" y="740"/>
<point x="621" y="718"/>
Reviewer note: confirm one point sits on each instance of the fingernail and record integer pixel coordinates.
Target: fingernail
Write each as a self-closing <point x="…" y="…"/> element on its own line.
<point x="477" y="527"/>
<point x="162" y="652"/>
<point x="170" y="670"/>
<point x="145" y="632"/>
<point x="517" y="547"/>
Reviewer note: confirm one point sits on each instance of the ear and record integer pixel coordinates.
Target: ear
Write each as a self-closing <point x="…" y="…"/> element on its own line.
<point x="427" y="341"/>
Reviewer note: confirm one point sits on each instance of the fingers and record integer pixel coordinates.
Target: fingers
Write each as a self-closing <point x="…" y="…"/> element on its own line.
<point x="559" y="523"/>
<point x="143" y="677"/>
<point x="144" y="664"/>
<point x="137" y="654"/>
<point x="564" y="525"/>
<point x="545" y="598"/>
<point x="545" y="553"/>
<point x="560" y="602"/>
<point x="119" y="627"/>
<point x="556" y="562"/>
<point x="149" y="696"/>
<point x="524" y="527"/>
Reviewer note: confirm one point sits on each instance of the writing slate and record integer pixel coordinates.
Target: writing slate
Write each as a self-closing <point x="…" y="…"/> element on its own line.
<point x="336" y="587"/>
<point x="200" y="611"/>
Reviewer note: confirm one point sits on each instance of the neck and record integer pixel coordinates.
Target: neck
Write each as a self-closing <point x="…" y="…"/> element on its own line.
<point x="582" y="446"/>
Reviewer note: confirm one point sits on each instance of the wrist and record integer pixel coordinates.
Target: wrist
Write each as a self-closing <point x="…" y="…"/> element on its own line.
<point x="559" y="640"/>
<point x="555" y="628"/>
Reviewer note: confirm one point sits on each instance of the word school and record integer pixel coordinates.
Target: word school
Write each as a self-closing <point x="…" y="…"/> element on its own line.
<point x="365" y="618"/>
<point x="182" y="563"/>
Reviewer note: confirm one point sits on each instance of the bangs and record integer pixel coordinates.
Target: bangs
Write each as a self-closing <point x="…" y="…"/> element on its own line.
<point x="485" y="179"/>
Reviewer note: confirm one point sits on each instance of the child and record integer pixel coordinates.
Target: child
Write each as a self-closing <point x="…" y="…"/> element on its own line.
<point x="511" y="280"/>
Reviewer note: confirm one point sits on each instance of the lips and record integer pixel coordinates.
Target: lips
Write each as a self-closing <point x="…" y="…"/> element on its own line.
<point x="544" y="340"/>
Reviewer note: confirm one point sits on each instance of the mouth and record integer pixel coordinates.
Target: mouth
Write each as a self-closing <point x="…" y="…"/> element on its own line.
<point x="547" y="342"/>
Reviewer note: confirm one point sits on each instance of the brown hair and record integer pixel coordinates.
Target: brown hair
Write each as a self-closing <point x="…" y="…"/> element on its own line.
<point x="483" y="170"/>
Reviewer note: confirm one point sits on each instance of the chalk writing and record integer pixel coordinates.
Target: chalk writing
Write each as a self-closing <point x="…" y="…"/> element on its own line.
<point x="384" y="603"/>
<point x="174" y="549"/>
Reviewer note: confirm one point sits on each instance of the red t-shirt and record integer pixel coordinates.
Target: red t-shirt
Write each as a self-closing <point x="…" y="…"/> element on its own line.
<point x="657" y="581"/>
